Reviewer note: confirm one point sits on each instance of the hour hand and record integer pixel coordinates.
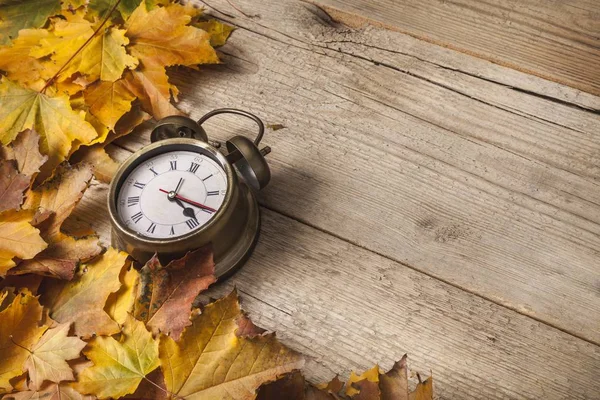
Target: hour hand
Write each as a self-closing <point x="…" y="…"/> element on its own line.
<point x="187" y="211"/>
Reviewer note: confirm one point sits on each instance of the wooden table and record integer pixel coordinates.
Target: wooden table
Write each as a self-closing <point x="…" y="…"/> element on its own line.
<point x="436" y="189"/>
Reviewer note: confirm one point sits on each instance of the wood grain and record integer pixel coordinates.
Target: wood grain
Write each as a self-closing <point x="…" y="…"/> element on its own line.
<point x="423" y="201"/>
<point x="552" y="39"/>
<point x="347" y="308"/>
<point x="472" y="188"/>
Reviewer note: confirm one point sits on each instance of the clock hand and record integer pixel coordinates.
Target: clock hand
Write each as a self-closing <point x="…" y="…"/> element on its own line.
<point x="187" y="211"/>
<point x="178" y="185"/>
<point x="192" y="202"/>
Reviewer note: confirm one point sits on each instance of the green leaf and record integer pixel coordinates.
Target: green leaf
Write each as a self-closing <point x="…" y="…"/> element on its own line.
<point x="22" y="14"/>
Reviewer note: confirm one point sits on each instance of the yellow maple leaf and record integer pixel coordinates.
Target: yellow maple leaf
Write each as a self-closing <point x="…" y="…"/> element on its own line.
<point x="218" y="31"/>
<point x="82" y="300"/>
<point x="18" y="238"/>
<point x="119" y="366"/>
<point x="66" y="36"/>
<point x="52" y="117"/>
<point x="120" y="303"/>
<point x="105" y="57"/>
<point x="18" y="63"/>
<point x="109" y="101"/>
<point x="19" y="330"/>
<point x="48" y="358"/>
<point x="171" y="42"/>
<point x="211" y="362"/>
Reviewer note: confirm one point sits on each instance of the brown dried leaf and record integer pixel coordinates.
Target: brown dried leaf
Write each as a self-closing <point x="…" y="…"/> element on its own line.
<point x="293" y="386"/>
<point x="50" y="391"/>
<point x="166" y="294"/>
<point x="104" y="167"/>
<point x="12" y="186"/>
<point x="394" y="383"/>
<point x="27" y="152"/>
<point x="60" y="196"/>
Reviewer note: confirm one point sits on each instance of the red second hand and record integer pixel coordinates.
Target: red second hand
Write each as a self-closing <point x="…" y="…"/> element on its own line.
<point x="192" y="202"/>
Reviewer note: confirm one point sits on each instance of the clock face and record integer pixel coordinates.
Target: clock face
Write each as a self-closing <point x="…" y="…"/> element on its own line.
<point x="172" y="194"/>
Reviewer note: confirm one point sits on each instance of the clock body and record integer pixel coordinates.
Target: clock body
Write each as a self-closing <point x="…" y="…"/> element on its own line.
<point x="177" y="195"/>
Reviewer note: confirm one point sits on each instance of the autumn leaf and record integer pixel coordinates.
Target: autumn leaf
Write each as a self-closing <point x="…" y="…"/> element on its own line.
<point x="211" y="362"/>
<point x="27" y="154"/>
<point x="293" y="386"/>
<point x="119" y="366"/>
<point x="48" y="358"/>
<point x="424" y="390"/>
<point x="67" y="34"/>
<point x="166" y="294"/>
<point x="18" y="63"/>
<point x="22" y="283"/>
<point x="109" y="101"/>
<point x="120" y="303"/>
<point x="18" y="238"/>
<point x="104" y="167"/>
<point x="101" y="8"/>
<point x="172" y="42"/>
<point x="364" y="386"/>
<point x="105" y="57"/>
<point x="12" y="186"/>
<point x="21" y="14"/>
<point x="82" y="300"/>
<point x="19" y="331"/>
<point x="218" y="31"/>
<point x="150" y="84"/>
<point x="59" y="196"/>
<point x="392" y="385"/>
<point x="49" y="391"/>
<point x="52" y="117"/>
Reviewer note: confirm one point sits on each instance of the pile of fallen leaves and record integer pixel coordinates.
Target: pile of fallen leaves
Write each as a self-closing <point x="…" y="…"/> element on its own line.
<point x="81" y="321"/>
<point x="85" y="72"/>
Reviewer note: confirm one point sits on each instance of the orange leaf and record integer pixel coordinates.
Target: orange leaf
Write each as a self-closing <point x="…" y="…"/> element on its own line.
<point x="166" y="294"/>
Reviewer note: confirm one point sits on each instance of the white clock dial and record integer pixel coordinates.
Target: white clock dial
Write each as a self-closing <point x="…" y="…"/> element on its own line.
<point x="172" y="194"/>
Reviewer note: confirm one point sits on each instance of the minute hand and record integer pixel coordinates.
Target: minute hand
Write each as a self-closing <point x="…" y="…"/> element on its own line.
<point x="192" y="202"/>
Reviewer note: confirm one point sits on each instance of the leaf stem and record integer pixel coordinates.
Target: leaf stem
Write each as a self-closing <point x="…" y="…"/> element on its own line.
<point x="51" y="80"/>
<point x="17" y="344"/>
<point x="163" y="389"/>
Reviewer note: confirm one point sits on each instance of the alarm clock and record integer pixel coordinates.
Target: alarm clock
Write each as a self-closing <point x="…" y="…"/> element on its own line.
<point x="183" y="192"/>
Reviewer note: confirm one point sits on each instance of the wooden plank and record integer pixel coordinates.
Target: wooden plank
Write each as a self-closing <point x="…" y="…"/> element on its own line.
<point x="554" y="40"/>
<point x="310" y="27"/>
<point x="486" y="198"/>
<point x="347" y="308"/>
